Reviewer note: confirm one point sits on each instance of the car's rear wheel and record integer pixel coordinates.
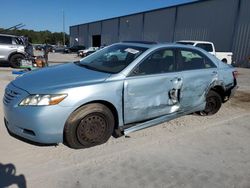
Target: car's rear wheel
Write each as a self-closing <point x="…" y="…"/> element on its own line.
<point x="224" y="61"/>
<point x="15" y="60"/>
<point x="213" y="104"/>
<point x="90" y="125"/>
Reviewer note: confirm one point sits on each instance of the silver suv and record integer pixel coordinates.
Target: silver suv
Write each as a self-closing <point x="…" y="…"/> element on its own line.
<point x="12" y="49"/>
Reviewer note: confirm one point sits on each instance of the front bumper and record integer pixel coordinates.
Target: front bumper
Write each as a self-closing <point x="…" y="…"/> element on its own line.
<point x="40" y="124"/>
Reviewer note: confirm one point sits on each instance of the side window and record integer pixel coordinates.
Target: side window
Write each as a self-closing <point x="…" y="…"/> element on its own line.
<point x="5" y="40"/>
<point x="161" y="61"/>
<point x="191" y="60"/>
<point x="206" y="47"/>
<point x="17" y="40"/>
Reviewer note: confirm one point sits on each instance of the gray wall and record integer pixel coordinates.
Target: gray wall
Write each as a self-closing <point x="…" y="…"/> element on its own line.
<point x="210" y="20"/>
<point x="73" y="35"/>
<point x="110" y="31"/>
<point x="83" y="35"/>
<point x="131" y="27"/>
<point x="159" y="25"/>
<point x="224" y="22"/>
<point x="94" y="29"/>
<point x="241" y="42"/>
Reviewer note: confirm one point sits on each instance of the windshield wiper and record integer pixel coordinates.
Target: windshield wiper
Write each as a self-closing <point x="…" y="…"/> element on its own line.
<point x="82" y="65"/>
<point x="89" y="67"/>
<point x="85" y="65"/>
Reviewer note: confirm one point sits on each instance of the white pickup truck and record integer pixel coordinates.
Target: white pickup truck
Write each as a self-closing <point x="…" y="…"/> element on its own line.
<point x="225" y="57"/>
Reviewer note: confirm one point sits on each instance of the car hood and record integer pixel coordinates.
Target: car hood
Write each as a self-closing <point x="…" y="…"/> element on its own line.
<point x="58" y="77"/>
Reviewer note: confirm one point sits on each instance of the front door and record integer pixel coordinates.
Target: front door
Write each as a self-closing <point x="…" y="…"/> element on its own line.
<point x="6" y="47"/>
<point x="152" y="90"/>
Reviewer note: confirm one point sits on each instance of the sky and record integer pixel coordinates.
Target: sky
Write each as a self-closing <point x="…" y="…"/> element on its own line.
<point x="47" y="14"/>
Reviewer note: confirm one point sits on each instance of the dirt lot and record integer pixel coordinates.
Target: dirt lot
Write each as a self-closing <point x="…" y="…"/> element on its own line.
<point x="191" y="151"/>
<point x="62" y="58"/>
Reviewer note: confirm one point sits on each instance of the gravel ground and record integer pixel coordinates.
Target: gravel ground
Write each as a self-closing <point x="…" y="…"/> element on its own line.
<point x="190" y="151"/>
<point x="62" y="58"/>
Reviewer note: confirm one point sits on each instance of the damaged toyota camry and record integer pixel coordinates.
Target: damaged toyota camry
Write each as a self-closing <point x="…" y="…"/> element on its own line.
<point x="122" y="88"/>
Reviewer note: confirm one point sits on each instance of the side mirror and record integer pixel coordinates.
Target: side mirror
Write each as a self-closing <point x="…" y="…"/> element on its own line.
<point x="136" y="71"/>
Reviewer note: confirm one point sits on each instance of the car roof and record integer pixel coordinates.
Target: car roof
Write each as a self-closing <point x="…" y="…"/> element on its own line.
<point x="160" y="45"/>
<point x="142" y="44"/>
<point x="195" y="41"/>
<point x="7" y="35"/>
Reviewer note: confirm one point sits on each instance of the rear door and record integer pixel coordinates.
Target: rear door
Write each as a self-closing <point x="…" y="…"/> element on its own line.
<point x="198" y="73"/>
<point x="151" y="90"/>
<point x="6" y="47"/>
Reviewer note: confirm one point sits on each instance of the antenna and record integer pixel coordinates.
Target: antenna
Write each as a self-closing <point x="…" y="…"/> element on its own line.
<point x="15" y="27"/>
<point x="63" y="27"/>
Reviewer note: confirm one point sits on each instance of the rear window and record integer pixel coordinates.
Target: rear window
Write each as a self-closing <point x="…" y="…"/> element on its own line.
<point x="206" y="47"/>
<point x="5" y="40"/>
<point x="186" y="43"/>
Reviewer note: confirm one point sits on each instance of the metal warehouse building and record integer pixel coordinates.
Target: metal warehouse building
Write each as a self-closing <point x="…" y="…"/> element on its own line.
<point x="224" y="22"/>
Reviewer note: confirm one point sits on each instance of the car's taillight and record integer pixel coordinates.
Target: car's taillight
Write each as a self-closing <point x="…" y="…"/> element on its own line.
<point x="235" y="74"/>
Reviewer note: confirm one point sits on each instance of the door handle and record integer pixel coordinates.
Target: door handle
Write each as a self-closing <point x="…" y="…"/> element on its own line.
<point x="178" y="79"/>
<point x="214" y="72"/>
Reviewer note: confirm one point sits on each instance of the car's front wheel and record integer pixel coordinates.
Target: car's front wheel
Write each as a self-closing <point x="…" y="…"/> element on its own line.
<point x="213" y="103"/>
<point x="15" y="60"/>
<point x="90" y="125"/>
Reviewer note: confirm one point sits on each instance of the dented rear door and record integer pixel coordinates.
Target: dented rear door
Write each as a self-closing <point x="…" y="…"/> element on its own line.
<point x="198" y="73"/>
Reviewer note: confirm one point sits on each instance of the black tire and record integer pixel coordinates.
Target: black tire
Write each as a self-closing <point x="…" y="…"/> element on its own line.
<point x="88" y="126"/>
<point x="224" y="61"/>
<point x="213" y="104"/>
<point x="15" y="60"/>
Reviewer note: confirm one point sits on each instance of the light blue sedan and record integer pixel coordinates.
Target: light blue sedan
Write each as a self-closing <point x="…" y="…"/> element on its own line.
<point x="122" y="88"/>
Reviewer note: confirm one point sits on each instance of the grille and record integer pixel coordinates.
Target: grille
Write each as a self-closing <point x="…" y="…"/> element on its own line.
<point x="9" y="95"/>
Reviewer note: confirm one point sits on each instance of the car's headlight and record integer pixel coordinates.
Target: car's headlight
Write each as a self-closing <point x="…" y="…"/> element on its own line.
<point x="43" y="100"/>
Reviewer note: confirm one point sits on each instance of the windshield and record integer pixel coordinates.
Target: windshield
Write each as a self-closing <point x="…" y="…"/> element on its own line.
<point x="112" y="59"/>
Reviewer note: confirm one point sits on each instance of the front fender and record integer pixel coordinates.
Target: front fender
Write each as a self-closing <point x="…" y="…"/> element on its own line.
<point x="111" y="92"/>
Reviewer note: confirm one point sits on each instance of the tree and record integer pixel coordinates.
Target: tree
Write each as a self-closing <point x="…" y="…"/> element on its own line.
<point x="39" y="37"/>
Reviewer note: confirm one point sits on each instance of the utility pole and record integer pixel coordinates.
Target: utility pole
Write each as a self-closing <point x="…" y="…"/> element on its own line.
<point x="63" y="27"/>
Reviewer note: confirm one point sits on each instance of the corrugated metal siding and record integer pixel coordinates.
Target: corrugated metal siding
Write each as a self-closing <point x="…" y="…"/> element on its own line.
<point x="131" y="27"/>
<point x="73" y="35"/>
<point x="159" y="25"/>
<point x="83" y="35"/>
<point x="208" y="20"/>
<point x="110" y="32"/>
<point x="94" y="29"/>
<point x="241" y="42"/>
<point x="223" y="22"/>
